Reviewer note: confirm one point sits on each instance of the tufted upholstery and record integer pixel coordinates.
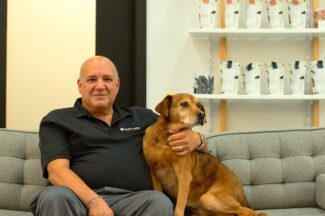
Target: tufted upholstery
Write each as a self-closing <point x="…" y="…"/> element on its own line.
<point x="277" y="168"/>
<point x="20" y="171"/>
<point x="282" y="171"/>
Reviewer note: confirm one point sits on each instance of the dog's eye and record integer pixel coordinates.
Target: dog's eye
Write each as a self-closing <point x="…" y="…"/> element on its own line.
<point x="184" y="104"/>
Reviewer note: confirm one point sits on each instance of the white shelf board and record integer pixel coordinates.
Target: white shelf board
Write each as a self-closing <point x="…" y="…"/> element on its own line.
<point x="265" y="32"/>
<point x="258" y="97"/>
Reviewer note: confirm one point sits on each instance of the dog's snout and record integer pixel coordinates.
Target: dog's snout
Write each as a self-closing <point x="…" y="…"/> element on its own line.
<point x="201" y="117"/>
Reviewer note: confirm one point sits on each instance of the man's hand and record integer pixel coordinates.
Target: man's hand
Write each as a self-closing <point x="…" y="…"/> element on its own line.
<point x="183" y="142"/>
<point x="98" y="207"/>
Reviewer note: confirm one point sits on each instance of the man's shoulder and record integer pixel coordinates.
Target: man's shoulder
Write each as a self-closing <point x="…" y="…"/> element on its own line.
<point x="141" y="109"/>
<point x="59" y="113"/>
<point x="140" y="113"/>
<point x="137" y="110"/>
<point x="132" y="109"/>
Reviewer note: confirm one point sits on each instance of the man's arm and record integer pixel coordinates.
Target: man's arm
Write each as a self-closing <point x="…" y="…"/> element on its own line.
<point x="60" y="174"/>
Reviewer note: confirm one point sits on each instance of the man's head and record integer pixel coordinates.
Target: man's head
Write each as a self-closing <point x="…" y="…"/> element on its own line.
<point x="98" y="84"/>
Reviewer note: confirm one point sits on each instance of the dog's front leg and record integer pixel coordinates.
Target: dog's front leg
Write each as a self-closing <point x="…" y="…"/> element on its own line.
<point x="156" y="182"/>
<point x="184" y="178"/>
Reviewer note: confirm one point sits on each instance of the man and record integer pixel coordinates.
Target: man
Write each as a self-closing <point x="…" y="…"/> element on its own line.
<point x="92" y="152"/>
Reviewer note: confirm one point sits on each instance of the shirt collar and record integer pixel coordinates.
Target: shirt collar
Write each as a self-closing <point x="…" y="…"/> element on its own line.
<point x="120" y="112"/>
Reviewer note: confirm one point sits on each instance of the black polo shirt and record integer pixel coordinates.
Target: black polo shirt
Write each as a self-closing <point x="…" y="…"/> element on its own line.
<point x="101" y="155"/>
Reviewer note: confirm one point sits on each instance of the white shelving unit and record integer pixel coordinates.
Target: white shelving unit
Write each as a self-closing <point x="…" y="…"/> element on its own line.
<point x="222" y="34"/>
<point x="259" y="97"/>
<point x="218" y="33"/>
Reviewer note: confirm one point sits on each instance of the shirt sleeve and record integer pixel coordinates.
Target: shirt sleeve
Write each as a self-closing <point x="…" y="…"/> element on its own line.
<point x="154" y="116"/>
<point x="54" y="143"/>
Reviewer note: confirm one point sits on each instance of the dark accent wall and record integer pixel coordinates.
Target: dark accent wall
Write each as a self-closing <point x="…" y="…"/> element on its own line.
<point x="121" y="36"/>
<point x="3" y="61"/>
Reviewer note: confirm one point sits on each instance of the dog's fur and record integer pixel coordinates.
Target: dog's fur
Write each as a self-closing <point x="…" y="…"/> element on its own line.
<point x="197" y="180"/>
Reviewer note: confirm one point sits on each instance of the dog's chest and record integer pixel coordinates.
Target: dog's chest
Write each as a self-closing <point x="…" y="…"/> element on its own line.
<point x="168" y="180"/>
<point x="164" y="154"/>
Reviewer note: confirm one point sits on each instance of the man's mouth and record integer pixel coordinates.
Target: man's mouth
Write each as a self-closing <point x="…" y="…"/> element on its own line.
<point x="99" y="95"/>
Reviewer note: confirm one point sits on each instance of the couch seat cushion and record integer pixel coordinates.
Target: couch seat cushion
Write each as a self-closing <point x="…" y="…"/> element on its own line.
<point x="295" y="212"/>
<point x="14" y="213"/>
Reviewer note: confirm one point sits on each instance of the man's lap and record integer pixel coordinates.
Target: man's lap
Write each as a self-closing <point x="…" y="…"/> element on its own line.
<point x="122" y="202"/>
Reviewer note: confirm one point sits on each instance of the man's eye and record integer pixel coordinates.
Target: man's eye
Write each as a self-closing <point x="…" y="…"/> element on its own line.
<point x="91" y="80"/>
<point x="108" y="79"/>
<point x="184" y="104"/>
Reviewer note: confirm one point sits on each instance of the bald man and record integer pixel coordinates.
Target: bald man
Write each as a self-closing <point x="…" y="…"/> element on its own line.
<point x="91" y="153"/>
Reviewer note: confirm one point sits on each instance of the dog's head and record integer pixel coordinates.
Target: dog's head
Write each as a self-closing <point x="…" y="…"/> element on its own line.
<point x="182" y="108"/>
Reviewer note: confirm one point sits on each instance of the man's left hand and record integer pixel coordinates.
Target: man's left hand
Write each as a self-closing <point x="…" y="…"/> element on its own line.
<point x="183" y="142"/>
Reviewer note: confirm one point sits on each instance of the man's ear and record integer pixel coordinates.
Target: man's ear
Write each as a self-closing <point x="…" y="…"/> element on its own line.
<point x="79" y="85"/>
<point x="163" y="107"/>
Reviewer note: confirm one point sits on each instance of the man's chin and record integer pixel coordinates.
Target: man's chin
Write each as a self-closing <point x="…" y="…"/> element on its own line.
<point x="100" y="103"/>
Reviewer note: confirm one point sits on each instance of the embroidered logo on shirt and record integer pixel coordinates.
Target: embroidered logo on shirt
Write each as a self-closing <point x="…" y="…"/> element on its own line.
<point x="130" y="129"/>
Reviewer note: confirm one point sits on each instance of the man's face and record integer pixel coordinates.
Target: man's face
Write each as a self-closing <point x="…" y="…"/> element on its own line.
<point x="98" y="85"/>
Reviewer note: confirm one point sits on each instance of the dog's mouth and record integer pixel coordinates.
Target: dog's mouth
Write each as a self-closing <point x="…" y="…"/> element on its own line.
<point x="193" y="121"/>
<point x="199" y="119"/>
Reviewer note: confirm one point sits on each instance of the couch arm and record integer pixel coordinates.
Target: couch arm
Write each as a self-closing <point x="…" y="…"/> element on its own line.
<point x="320" y="190"/>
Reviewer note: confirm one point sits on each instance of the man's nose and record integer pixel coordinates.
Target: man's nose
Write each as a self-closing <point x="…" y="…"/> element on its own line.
<point x="100" y="84"/>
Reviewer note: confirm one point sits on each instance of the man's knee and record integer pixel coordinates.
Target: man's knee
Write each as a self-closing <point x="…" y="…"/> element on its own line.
<point x="56" y="200"/>
<point x="162" y="204"/>
<point x="56" y="193"/>
<point x="159" y="197"/>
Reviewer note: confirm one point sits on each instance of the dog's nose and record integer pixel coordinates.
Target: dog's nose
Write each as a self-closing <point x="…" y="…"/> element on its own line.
<point x="201" y="116"/>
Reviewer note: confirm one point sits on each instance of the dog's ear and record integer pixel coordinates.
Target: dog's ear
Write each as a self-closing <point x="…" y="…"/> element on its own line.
<point x="163" y="107"/>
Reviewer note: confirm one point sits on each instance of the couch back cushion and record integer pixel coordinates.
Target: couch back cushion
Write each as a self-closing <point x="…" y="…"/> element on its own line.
<point x="278" y="168"/>
<point x="20" y="169"/>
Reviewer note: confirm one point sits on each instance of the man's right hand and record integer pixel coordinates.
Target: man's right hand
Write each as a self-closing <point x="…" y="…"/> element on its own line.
<point x="98" y="207"/>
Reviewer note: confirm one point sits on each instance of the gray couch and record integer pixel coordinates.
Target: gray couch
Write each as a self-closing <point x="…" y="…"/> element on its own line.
<point x="282" y="171"/>
<point x="20" y="171"/>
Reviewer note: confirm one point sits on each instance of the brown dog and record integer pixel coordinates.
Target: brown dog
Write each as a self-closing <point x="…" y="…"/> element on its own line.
<point x="197" y="180"/>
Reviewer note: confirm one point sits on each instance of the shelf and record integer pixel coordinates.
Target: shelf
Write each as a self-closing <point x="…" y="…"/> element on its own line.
<point x="222" y="35"/>
<point x="258" y="97"/>
<point x="218" y="33"/>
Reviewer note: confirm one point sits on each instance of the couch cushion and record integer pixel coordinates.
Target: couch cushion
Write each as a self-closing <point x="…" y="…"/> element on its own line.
<point x="295" y="212"/>
<point x="277" y="167"/>
<point x="14" y="213"/>
<point x="20" y="169"/>
<point x="320" y="190"/>
<point x="287" y="195"/>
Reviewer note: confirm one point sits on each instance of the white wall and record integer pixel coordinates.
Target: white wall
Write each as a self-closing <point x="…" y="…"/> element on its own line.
<point x="47" y="42"/>
<point x="49" y="39"/>
<point x="174" y="57"/>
